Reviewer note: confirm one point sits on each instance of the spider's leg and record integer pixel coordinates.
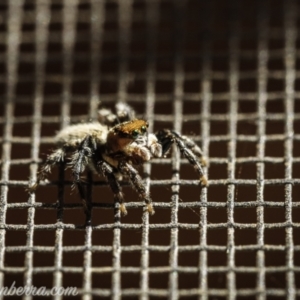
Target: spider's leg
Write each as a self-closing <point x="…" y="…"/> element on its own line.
<point x="192" y="146"/>
<point x="167" y="137"/>
<point x="52" y="159"/>
<point x="108" y="172"/>
<point x="124" y="113"/>
<point x="81" y="156"/>
<point x="79" y="161"/>
<point x="107" y="117"/>
<point x="136" y="180"/>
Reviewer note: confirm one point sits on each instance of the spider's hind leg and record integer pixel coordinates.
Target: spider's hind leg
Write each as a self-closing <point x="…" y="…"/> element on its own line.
<point x="124" y="113"/>
<point x="54" y="158"/>
<point x="187" y="147"/>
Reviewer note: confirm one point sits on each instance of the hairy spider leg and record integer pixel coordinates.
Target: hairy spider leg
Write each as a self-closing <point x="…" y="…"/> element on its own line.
<point x="54" y="158"/>
<point x="80" y="160"/>
<point x="136" y="180"/>
<point x="108" y="172"/>
<point x="123" y="113"/>
<point x="167" y="137"/>
<point x="192" y="146"/>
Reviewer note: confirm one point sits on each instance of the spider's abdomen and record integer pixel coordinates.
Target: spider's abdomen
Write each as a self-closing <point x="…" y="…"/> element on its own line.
<point x="73" y="135"/>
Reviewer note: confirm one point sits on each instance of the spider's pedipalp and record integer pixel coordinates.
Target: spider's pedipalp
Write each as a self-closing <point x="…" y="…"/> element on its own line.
<point x="154" y="146"/>
<point x="166" y="139"/>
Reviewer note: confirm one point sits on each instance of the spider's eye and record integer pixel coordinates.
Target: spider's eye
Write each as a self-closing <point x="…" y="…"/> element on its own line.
<point x="143" y="129"/>
<point x="134" y="133"/>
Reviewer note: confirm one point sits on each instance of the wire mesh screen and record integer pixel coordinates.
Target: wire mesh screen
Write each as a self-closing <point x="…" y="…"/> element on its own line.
<point x="222" y="72"/>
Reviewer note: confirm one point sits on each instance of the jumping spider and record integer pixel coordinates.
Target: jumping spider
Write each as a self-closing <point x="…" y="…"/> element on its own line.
<point x="112" y="147"/>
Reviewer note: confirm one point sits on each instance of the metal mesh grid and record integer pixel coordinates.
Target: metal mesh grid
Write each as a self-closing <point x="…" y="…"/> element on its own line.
<point x="225" y="74"/>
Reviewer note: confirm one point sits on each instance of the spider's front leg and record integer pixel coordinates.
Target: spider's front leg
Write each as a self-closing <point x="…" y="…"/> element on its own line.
<point x="136" y="180"/>
<point x="104" y="168"/>
<point x="187" y="147"/>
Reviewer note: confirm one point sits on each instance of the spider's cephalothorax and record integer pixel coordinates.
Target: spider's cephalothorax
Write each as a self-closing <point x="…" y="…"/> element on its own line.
<point x="113" y="146"/>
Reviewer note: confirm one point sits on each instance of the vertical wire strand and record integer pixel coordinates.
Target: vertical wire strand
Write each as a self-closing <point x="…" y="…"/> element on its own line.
<point x="152" y="22"/>
<point x="97" y="31"/>
<point x="124" y="18"/>
<point x="205" y="128"/>
<point x="290" y="20"/>
<point x="41" y="40"/>
<point x="58" y="247"/>
<point x="262" y="80"/>
<point x="97" y="21"/>
<point x="177" y="108"/>
<point x="68" y="41"/>
<point x="87" y="255"/>
<point x="13" y="40"/>
<point x="125" y="15"/>
<point x="232" y="128"/>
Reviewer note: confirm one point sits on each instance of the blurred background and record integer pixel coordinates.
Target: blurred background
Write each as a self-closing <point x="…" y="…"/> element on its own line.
<point x="223" y="73"/>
